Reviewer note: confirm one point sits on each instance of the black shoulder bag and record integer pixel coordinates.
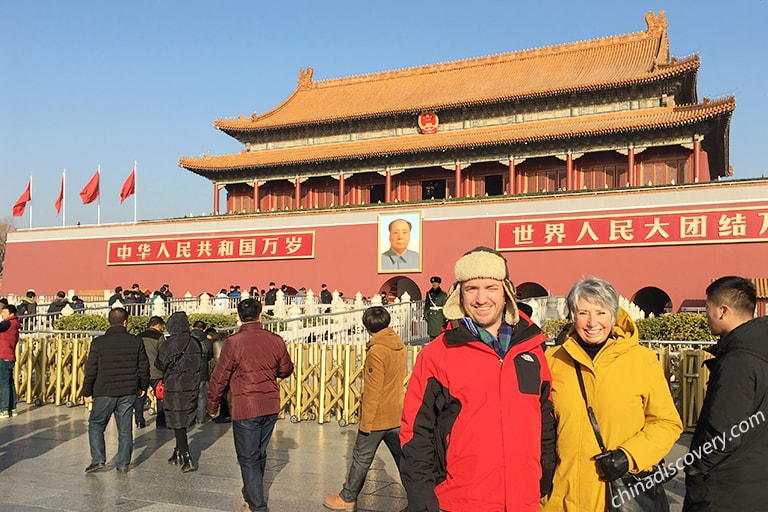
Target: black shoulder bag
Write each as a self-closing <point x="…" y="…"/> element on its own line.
<point x="632" y="492"/>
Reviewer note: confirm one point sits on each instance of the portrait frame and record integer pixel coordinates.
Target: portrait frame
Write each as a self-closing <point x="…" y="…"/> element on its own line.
<point x="410" y="260"/>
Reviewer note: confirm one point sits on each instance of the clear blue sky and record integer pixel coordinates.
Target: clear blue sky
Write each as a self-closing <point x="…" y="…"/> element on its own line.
<point x="89" y="83"/>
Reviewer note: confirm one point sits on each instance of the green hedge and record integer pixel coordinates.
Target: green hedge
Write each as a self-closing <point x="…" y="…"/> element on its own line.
<point x="669" y="327"/>
<point x="675" y="327"/>
<point x="553" y="327"/>
<point x="136" y="324"/>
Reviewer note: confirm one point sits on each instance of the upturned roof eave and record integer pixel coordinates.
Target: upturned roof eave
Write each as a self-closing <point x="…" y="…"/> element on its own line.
<point x="717" y="109"/>
<point x="234" y="131"/>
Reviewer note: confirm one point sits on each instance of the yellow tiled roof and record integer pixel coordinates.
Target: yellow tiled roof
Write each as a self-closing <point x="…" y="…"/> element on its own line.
<point x="594" y="64"/>
<point x="589" y="125"/>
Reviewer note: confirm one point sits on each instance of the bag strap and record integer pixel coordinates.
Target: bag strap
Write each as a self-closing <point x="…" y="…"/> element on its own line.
<point x="590" y="411"/>
<point x="179" y="356"/>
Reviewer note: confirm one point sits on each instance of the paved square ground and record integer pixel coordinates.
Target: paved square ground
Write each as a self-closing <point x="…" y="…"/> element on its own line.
<point x="44" y="451"/>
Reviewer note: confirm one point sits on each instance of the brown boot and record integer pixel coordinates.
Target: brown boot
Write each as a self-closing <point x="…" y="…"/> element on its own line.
<point x="336" y="502"/>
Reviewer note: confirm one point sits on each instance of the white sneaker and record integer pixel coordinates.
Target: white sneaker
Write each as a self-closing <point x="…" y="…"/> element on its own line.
<point x="5" y="414"/>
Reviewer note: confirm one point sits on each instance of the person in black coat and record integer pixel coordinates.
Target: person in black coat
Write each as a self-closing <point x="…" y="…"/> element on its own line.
<point x="730" y="444"/>
<point x="179" y="359"/>
<point x="116" y="372"/>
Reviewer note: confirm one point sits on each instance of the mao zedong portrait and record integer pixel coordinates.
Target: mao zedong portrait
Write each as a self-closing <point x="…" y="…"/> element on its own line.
<point x="398" y="256"/>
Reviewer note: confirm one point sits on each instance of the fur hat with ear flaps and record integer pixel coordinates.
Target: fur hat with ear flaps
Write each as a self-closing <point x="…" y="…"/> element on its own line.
<point x="481" y="262"/>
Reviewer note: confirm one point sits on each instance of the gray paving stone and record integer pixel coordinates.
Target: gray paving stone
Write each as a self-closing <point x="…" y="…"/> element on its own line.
<point x="44" y="451"/>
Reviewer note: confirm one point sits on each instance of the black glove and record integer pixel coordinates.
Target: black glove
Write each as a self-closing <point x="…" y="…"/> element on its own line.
<point x="612" y="464"/>
<point x="545" y="484"/>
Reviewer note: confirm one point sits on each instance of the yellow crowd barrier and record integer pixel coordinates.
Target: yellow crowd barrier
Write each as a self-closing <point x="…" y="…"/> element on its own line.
<point x="694" y="383"/>
<point x="326" y="385"/>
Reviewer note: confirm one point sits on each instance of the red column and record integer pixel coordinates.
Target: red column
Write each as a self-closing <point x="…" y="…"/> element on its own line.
<point x="696" y="158"/>
<point x="631" y="174"/>
<point x="512" y="189"/>
<point x="388" y="187"/>
<point x="297" y="190"/>
<point x="458" y="180"/>
<point x="570" y="179"/>
<point x="215" y="198"/>
<point x="341" y="189"/>
<point x="256" y="195"/>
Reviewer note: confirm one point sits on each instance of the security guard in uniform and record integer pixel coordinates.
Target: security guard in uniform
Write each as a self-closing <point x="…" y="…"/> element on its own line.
<point x="433" y="307"/>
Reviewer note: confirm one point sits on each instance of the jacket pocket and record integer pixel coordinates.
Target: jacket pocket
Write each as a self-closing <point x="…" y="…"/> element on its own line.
<point x="528" y="370"/>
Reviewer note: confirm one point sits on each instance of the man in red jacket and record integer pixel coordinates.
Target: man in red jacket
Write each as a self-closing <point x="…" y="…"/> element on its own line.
<point x="250" y="363"/>
<point x="478" y="432"/>
<point x="9" y="337"/>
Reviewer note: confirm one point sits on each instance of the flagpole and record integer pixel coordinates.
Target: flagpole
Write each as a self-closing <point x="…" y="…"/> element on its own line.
<point x="135" y="190"/>
<point x="30" y="200"/>
<point x="63" y="198"/>
<point x="98" y="205"/>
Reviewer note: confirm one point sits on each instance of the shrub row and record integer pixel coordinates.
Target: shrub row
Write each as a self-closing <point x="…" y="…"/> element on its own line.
<point x="137" y="324"/>
<point x="669" y="327"/>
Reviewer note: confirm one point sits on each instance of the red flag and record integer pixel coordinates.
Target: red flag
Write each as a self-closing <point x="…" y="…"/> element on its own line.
<point x="21" y="204"/>
<point x="129" y="187"/>
<point x="91" y="190"/>
<point x="60" y="199"/>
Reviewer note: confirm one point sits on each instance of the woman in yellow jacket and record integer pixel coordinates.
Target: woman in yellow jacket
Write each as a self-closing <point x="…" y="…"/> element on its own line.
<point x="625" y="386"/>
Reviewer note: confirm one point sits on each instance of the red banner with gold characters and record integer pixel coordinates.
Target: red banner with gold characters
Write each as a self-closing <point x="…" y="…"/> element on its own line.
<point x="617" y="229"/>
<point x="219" y="248"/>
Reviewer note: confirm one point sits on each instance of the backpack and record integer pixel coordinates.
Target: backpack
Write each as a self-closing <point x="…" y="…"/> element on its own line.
<point x="22" y="309"/>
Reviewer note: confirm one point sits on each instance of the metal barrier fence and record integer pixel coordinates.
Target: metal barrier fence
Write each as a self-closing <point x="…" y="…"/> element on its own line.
<point x="683" y="363"/>
<point x="327" y="381"/>
<point x="326" y="384"/>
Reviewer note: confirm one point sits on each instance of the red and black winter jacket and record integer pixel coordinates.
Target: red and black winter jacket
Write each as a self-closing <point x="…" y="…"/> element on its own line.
<point x="9" y="337"/>
<point x="478" y="431"/>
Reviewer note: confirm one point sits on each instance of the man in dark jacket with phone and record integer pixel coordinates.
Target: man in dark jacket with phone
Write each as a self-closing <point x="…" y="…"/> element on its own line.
<point x="116" y="372"/>
<point x="250" y="362"/>
<point x="730" y="444"/>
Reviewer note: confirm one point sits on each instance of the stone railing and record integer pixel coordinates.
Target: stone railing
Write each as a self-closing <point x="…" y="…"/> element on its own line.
<point x="285" y="307"/>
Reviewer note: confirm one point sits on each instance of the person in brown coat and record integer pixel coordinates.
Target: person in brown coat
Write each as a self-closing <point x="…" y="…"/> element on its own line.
<point x="381" y="405"/>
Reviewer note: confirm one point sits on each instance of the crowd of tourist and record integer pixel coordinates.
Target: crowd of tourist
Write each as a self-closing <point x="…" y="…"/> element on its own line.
<point x="491" y="418"/>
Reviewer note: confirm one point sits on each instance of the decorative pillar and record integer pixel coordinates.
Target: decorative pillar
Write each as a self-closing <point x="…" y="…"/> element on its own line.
<point x="631" y="172"/>
<point x="216" y="198"/>
<point x="570" y="179"/>
<point x="341" y="189"/>
<point x="458" y="180"/>
<point x="388" y="187"/>
<point x="297" y="193"/>
<point x="696" y="162"/>
<point x="512" y="188"/>
<point x="255" y="195"/>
